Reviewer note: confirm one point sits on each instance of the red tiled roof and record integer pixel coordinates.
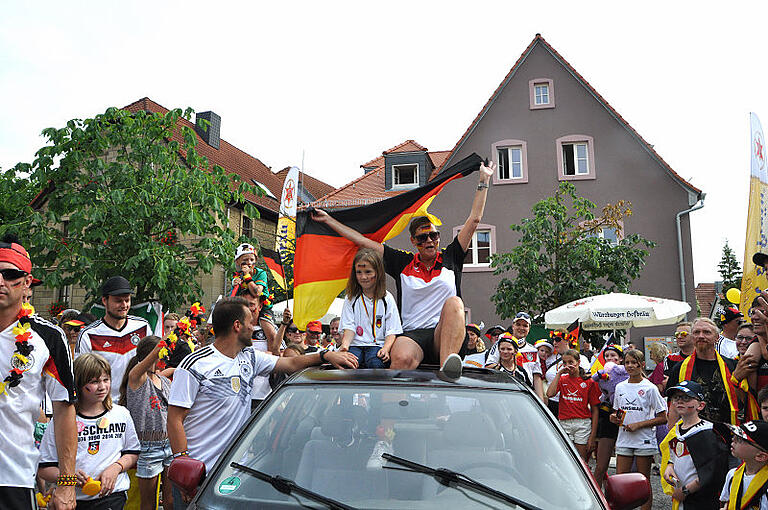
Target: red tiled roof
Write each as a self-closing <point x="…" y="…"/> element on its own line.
<point x="585" y="83"/>
<point x="316" y="187"/>
<point x="376" y="162"/>
<point x="229" y="157"/>
<point x="705" y="297"/>
<point x="406" y="146"/>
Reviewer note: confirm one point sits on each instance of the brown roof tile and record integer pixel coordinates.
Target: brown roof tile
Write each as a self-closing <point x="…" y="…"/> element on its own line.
<point x="705" y="297"/>
<point x="316" y="187"/>
<point x="406" y="146"/>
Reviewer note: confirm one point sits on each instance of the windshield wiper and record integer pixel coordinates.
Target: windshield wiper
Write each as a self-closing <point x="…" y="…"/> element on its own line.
<point x="447" y="477"/>
<point x="286" y="486"/>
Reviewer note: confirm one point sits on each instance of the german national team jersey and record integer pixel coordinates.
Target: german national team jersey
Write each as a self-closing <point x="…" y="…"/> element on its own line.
<point x="421" y="293"/>
<point x="116" y="345"/>
<point x="217" y="391"/>
<point x="101" y="441"/>
<point x="48" y="370"/>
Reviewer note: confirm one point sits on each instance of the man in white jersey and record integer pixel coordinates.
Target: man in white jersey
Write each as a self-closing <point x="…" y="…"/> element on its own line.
<point x="730" y="320"/>
<point x="116" y="335"/>
<point x="211" y="389"/>
<point x="34" y="360"/>
<point x="428" y="285"/>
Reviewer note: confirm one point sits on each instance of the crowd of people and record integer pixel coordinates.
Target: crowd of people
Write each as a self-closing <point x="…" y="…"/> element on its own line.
<point x="135" y="400"/>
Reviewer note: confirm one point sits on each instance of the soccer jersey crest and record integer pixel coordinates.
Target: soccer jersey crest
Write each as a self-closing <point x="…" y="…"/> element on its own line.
<point x="23" y="363"/>
<point x="93" y="447"/>
<point x="235" y="381"/>
<point x="135" y="339"/>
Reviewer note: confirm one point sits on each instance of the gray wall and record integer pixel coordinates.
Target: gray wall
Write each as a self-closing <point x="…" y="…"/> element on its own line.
<point x="407" y="158"/>
<point x="624" y="170"/>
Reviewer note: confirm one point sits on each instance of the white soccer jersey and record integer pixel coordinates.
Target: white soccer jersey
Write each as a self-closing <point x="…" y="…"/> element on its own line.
<point x="115" y="345"/>
<point x="260" y="388"/>
<point x="726" y="347"/>
<point x="101" y="441"/>
<point x="217" y="391"/>
<point x="48" y="370"/>
<point x="363" y="318"/>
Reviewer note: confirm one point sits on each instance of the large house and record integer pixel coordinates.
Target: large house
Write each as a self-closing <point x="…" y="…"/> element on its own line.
<point x="544" y="124"/>
<point x="230" y="158"/>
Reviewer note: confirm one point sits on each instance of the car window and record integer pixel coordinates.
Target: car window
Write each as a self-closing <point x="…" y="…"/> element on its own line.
<point x="329" y="439"/>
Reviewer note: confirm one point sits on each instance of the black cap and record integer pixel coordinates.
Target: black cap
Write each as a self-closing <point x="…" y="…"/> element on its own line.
<point x="690" y="388"/>
<point x="760" y="259"/>
<point x="756" y="432"/>
<point x="730" y="313"/>
<point x="116" y="286"/>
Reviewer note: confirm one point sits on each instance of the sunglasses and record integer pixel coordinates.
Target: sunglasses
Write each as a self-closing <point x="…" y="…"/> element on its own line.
<point x="292" y="330"/>
<point x="681" y="334"/>
<point x="12" y="274"/>
<point x="422" y="238"/>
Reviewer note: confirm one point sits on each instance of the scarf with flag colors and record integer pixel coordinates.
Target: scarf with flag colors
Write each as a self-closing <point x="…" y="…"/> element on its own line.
<point x="755" y="489"/>
<point x="272" y="259"/>
<point x="686" y="371"/>
<point x="323" y="258"/>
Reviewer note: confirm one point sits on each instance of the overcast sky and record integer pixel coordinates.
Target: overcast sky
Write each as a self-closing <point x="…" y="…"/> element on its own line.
<point x="342" y="81"/>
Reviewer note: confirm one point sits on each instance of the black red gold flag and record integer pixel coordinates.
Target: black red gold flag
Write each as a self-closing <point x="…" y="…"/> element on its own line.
<point x="272" y="259"/>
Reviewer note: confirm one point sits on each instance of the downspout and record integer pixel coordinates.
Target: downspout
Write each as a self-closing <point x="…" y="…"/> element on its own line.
<point x="699" y="205"/>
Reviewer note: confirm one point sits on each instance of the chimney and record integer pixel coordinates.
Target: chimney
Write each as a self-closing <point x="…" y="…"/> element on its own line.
<point x="212" y="134"/>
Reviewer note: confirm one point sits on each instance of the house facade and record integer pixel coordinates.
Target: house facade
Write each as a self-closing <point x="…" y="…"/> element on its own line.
<point x="545" y="124"/>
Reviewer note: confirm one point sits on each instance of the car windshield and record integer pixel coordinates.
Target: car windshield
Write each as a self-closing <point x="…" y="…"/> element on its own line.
<point x="329" y="439"/>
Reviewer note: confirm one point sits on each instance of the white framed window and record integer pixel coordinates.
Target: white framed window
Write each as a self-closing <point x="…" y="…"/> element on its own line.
<point x="480" y="249"/>
<point x="405" y="176"/>
<point x="65" y="294"/>
<point x="540" y="93"/>
<point x="510" y="162"/>
<point x="611" y="234"/>
<point x="575" y="158"/>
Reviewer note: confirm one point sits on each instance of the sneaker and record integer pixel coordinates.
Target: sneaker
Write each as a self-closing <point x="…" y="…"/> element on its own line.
<point x="452" y="366"/>
<point x="376" y="461"/>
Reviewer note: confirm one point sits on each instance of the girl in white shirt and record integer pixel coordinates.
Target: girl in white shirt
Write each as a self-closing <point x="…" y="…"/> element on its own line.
<point x="369" y="319"/>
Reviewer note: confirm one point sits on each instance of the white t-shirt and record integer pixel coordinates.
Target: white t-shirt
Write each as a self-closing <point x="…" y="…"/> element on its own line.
<point x="358" y="316"/>
<point x="116" y="345"/>
<point x="555" y="363"/>
<point x="529" y="353"/>
<point x="640" y="401"/>
<point x="726" y="347"/>
<point x="726" y="493"/>
<point x="217" y="391"/>
<point x="681" y="457"/>
<point x="261" y="388"/>
<point x="48" y="370"/>
<point x="475" y="360"/>
<point x="101" y="440"/>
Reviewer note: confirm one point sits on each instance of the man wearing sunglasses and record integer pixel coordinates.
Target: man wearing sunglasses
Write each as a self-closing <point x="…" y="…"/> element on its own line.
<point x="44" y="367"/>
<point x="428" y="286"/>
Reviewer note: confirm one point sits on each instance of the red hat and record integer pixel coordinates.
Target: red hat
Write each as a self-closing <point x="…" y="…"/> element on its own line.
<point x="15" y="254"/>
<point x="315" y="327"/>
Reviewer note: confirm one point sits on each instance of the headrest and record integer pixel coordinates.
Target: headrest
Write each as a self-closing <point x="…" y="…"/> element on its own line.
<point x="473" y="429"/>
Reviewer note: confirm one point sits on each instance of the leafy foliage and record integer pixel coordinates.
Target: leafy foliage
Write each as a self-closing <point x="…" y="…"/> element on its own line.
<point x="730" y="273"/>
<point x="16" y="192"/>
<point x="128" y="193"/>
<point x="561" y="256"/>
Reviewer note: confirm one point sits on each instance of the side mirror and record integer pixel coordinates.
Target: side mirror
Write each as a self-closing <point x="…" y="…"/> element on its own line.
<point x="187" y="474"/>
<point x="628" y="490"/>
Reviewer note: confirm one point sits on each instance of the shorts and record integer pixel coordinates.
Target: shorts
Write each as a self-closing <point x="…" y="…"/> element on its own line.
<point x="17" y="498"/>
<point x="636" y="452"/>
<point x="267" y="314"/>
<point x="425" y="337"/>
<point x="606" y="429"/>
<point x="115" y="501"/>
<point x="577" y="429"/>
<point x="154" y="456"/>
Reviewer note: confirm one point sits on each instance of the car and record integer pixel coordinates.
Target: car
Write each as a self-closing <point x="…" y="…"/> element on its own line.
<point x="411" y="439"/>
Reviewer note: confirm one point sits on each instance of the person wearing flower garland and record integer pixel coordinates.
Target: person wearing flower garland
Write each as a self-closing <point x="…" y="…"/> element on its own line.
<point x="34" y="360"/>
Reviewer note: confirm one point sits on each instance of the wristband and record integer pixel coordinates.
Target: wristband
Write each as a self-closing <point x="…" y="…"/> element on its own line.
<point x="482" y="185"/>
<point x="66" y="480"/>
<point x="322" y="355"/>
<point x="685" y="490"/>
<point x="247" y="278"/>
<point x="122" y="468"/>
<point x="185" y="453"/>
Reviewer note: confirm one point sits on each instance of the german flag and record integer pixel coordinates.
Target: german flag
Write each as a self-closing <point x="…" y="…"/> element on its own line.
<point x="272" y="259"/>
<point x="323" y="258"/>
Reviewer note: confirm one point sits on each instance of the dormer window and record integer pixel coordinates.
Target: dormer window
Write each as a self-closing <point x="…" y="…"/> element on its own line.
<point x="405" y="176"/>
<point x="541" y="93"/>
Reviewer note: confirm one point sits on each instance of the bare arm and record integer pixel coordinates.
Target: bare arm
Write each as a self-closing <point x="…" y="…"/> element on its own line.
<point x="66" y="449"/>
<point x="538" y="387"/>
<point x="346" y="339"/>
<point x="552" y="389"/>
<point x="176" y="434"/>
<point x="138" y="373"/>
<point x="478" y="206"/>
<point x="351" y="234"/>
<point x="296" y="363"/>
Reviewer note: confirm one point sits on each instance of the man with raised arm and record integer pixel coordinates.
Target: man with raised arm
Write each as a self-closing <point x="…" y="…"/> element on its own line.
<point x="428" y="286"/>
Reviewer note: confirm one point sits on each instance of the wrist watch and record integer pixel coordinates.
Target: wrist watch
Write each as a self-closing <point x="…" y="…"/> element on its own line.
<point x="684" y="490"/>
<point x="482" y="185"/>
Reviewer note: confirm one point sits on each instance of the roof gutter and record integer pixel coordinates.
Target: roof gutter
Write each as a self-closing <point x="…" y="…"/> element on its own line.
<point x="699" y="205"/>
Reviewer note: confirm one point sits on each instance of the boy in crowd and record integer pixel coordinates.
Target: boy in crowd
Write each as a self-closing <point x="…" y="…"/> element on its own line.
<point x="745" y="486"/>
<point x="250" y="279"/>
<point x="694" y="453"/>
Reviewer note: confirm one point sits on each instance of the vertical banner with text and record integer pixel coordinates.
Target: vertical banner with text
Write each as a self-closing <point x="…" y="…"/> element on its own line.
<point x="754" y="278"/>
<point x="285" y="242"/>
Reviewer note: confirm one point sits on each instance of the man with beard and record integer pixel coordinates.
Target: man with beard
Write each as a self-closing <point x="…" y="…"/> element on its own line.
<point x="211" y="390"/>
<point x="116" y="335"/>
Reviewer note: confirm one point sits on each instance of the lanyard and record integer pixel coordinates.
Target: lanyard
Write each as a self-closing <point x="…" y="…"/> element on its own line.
<point x="373" y="318"/>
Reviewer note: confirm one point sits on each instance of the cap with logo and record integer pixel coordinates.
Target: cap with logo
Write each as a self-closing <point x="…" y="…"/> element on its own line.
<point x="755" y="432"/>
<point x="474" y="327"/>
<point x="244" y="249"/>
<point x="315" y="327"/>
<point x="116" y="286"/>
<point x="730" y="313"/>
<point x="689" y="388"/>
<point x="544" y="343"/>
<point x="522" y="316"/>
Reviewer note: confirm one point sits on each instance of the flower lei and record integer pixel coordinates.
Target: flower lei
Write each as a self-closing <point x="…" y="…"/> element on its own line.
<point x="21" y="331"/>
<point x="184" y="328"/>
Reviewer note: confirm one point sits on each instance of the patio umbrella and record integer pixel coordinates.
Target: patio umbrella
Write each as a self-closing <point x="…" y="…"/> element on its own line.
<point x="617" y="311"/>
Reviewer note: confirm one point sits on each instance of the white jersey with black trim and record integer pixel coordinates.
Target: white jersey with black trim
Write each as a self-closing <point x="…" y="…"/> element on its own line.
<point x="101" y="441"/>
<point x="116" y="345"/>
<point x="48" y="370"/>
<point x="217" y="391"/>
<point x="727" y="347"/>
<point x="530" y="358"/>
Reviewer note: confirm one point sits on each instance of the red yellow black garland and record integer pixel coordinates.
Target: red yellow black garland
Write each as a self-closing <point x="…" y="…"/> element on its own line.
<point x="184" y="328"/>
<point x="22" y="334"/>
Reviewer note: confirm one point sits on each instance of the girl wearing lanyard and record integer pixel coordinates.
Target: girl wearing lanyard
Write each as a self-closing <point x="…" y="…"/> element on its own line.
<point x="369" y="319"/>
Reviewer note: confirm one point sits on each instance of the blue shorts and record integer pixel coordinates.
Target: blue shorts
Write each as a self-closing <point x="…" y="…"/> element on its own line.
<point x="154" y="456"/>
<point x="366" y="356"/>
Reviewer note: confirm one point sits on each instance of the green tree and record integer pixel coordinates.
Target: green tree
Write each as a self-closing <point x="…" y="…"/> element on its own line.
<point x="128" y="193"/>
<point x="561" y="255"/>
<point x="730" y="273"/>
<point x="16" y="192"/>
